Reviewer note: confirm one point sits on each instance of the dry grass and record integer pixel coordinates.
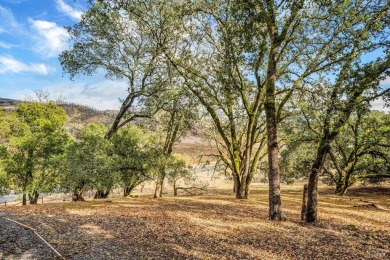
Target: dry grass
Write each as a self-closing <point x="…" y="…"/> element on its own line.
<point x="215" y="226"/>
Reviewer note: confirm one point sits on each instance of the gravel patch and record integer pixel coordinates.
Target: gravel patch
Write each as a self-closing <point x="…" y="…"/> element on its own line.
<point x="17" y="242"/>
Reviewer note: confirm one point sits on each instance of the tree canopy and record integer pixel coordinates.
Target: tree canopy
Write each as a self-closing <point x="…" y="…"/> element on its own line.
<point x="246" y="63"/>
<point x="35" y="137"/>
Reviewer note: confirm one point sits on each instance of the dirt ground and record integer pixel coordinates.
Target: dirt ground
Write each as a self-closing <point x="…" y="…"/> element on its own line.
<point x="213" y="226"/>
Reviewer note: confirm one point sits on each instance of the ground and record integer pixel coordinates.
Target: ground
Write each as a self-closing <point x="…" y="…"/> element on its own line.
<point x="212" y="226"/>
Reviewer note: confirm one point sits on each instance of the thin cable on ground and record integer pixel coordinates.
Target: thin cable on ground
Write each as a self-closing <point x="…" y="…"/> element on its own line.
<point x="36" y="233"/>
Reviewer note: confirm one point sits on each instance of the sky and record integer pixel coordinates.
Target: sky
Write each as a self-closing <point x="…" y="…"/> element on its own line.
<point x="32" y="35"/>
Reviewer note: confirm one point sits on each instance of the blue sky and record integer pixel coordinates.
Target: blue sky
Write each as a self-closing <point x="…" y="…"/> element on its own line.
<point x="32" y="35"/>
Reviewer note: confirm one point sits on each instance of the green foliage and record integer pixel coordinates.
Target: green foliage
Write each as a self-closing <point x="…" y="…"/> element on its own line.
<point x="135" y="155"/>
<point x="35" y="136"/>
<point x="4" y="183"/>
<point x="361" y="151"/>
<point x="178" y="169"/>
<point x="87" y="161"/>
<point x="107" y="39"/>
<point x="243" y="61"/>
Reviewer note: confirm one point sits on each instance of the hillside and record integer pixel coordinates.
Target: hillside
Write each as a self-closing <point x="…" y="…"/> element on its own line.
<point x="8" y="104"/>
<point x="78" y="115"/>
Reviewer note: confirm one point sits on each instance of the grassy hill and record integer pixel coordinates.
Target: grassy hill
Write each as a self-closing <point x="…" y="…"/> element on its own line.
<point x="8" y="104"/>
<point x="78" y="115"/>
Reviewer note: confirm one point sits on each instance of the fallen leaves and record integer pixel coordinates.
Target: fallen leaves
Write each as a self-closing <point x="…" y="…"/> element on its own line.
<point x="207" y="227"/>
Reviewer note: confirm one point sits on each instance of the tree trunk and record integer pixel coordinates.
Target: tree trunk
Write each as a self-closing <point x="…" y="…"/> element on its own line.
<point x="275" y="201"/>
<point x="78" y="194"/>
<point x="24" y="199"/>
<point x="174" y="189"/>
<point x="346" y="183"/>
<point x="343" y="190"/>
<point x="101" y="194"/>
<point x="248" y="182"/>
<point x="339" y="186"/>
<point x="241" y="189"/>
<point x="33" y="197"/>
<point x="235" y="184"/>
<point x="311" y="214"/>
<point x="157" y="190"/>
<point x="159" y="184"/>
<point x="128" y="102"/>
<point x="128" y="189"/>
<point x="304" y="205"/>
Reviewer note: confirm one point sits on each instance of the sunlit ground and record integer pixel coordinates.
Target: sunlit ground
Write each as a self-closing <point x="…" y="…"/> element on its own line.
<point x="215" y="226"/>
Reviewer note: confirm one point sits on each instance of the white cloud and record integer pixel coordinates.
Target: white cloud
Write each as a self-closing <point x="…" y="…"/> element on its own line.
<point x="102" y="95"/>
<point x="15" y="1"/>
<point x="379" y="104"/>
<point x="386" y="81"/>
<point x="68" y="10"/>
<point x="8" y="64"/>
<point x="5" y="45"/>
<point x="8" y="22"/>
<point x="52" y="38"/>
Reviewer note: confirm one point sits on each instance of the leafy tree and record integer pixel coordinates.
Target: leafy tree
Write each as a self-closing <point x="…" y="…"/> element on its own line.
<point x="255" y="55"/>
<point x="178" y="172"/>
<point x="87" y="163"/>
<point x="302" y="42"/>
<point x="122" y="47"/>
<point x="134" y="155"/>
<point x="244" y="60"/>
<point x="36" y="136"/>
<point x="4" y="182"/>
<point x="7" y="121"/>
<point x="353" y="85"/>
<point x="361" y="151"/>
<point x="326" y="119"/>
<point x="175" y="119"/>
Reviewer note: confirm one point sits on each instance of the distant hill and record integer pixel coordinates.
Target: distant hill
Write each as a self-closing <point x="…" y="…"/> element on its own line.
<point x="8" y="104"/>
<point x="78" y="115"/>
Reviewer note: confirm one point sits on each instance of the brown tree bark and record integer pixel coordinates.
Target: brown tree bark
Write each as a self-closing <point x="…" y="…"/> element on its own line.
<point x="101" y="194"/>
<point x="78" y="193"/>
<point x="159" y="184"/>
<point x="339" y="186"/>
<point x="24" y="199"/>
<point x="234" y="185"/>
<point x="304" y="203"/>
<point x="33" y="198"/>
<point x="241" y="189"/>
<point x="128" y="189"/>
<point x="275" y="202"/>
<point x="174" y="189"/>
<point x="157" y="190"/>
<point x="323" y="150"/>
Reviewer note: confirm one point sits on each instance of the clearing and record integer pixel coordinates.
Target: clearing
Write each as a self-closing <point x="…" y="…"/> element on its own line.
<point x="211" y="226"/>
